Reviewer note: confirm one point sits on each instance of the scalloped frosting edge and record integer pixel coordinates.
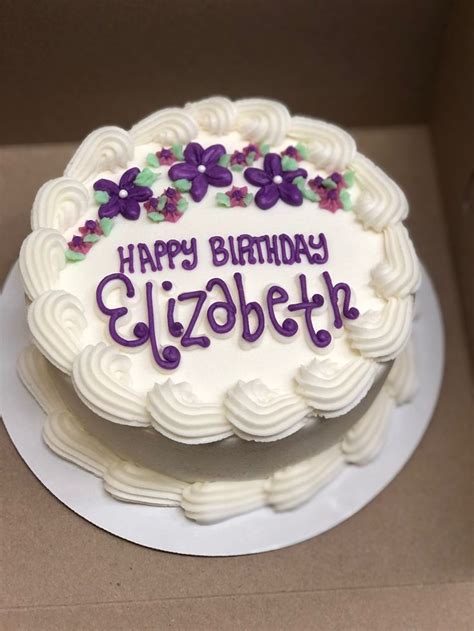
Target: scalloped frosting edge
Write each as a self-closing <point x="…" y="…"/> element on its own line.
<point x="212" y="501"/>
<point x="381" y="207"/>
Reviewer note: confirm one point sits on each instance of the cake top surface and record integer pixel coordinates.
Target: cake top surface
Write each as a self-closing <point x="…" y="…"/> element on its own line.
<point x="220" y="269"/>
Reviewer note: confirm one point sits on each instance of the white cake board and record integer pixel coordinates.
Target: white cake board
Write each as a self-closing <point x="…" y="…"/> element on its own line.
<point x="167" y="528"/>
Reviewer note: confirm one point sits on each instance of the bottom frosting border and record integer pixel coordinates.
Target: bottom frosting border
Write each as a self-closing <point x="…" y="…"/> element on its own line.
<point x="213" y="501"/>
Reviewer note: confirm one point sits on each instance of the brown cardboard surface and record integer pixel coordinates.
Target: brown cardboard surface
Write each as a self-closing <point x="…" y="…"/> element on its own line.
<point x="405" y="561"/>
<point x="453" y="135"/>
<point x="68" y="70"/>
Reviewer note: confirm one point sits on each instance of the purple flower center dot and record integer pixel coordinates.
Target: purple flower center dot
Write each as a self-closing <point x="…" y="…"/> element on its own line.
<point x="238" y="195"/>
<point x="90" y="224"/>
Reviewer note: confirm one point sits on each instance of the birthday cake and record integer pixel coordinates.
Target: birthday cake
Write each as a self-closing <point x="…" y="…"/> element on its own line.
<point x="221" y="302"/>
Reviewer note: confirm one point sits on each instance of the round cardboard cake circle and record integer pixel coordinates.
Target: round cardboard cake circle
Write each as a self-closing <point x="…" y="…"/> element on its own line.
<point x="166" y="528"/>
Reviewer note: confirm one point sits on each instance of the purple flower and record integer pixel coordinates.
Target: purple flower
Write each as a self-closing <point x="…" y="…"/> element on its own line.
<point x="202" y="169"/>
<point x="77" y="244"/>
<point x="124" y="197"/>
<point x="275" y="183"/>
<point x="91" y="227"/>
<point x="238" y="158"/>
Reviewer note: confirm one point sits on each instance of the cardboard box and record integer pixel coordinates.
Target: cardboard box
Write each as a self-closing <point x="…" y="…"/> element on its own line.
<point x="399" y="73"/>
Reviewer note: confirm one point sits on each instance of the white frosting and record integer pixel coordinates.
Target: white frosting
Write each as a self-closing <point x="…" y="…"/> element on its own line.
<point x="41" y="260"/>
<point x="216" y="115"/>
<point x="59" y="204"/>
<point x="208" y="502"/>
<point x="291" y="486"/>
<point x="130" y="389"/>
<point x="262" y="121"/>
<point x="258" y="413"/>
<point x="105" y="149"/>
<point x="32" y="369"/>
<point x="56" y="321"/>
<point x="333" y="389"/>
<point x="363" y="442"/>
<point x="101" y="378"/>
<point x="166" y="127"/>
<point x="63" y="433"/>
<point x="381" y="202"/>
<point x="127" y="482"/>
<point x="402" y="382"/>
<point x="382" y="334"/>
<point x="330" y="147"/>
<point x="180" y="415"/>
<point x="399" y="275"/>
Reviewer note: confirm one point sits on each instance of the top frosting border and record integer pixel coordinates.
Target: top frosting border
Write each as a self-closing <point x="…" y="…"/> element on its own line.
<point x="377" y="336"/>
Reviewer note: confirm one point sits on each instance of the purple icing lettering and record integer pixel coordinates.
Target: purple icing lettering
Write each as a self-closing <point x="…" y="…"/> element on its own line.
<point x="220" y="255"/>
<point x="227" y="305"/>
<point x="322" y="244"/>
<point x="175" y="328"/>
<point x="171" y="356"/>
<point x="190" y="250"/>
<point x="276" y="296"/>
<point x="188" y="339"/>
<point x="258" y="244"/>
<point x="320" y="338"/>
<point x="272" y="249"/>
<point x="143" y="332"/>
<point x="233" y="256"/>
<point x="287" y="249"/>
<point x="126" y="260"/>
<point x="246" y="309"/>
<point x="173" y="249"/>
<point x="145" y="257"/>
<point x="140" y="330"/>
<point x="160" y="251"/>
<point x="302" y="249"/>
<point x="347" y="311"/>
<point x="245" y="246"/>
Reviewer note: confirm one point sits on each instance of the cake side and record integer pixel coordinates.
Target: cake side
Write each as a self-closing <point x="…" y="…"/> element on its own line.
<point x="209" y="501"/>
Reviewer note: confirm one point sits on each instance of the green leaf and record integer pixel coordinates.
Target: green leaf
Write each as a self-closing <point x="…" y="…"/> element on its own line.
<point x="74" y="257"/>
<point x="177" y="149"/>
<point x="182" y="205"/>
<point x="264" y="149"/>
<point x="106" y="224"/>
<point x="349" y="178"/>
<point x="307" y="192"/>
<point x="237" y="167"/>
<point x="310" y="195"/>
<point x="345" y="198"/>
<point x="183" y="186"/>
<point x="288" y="164"/>
<point x="154" y="216"/>
<point x="251" y="158"/>
<point x="162" y="202"/>
<point x="101" y="197"/>
<point x="152" y="160"/>
<point x="303" y="151"/>
<point x="146" y="178"/>
<point x="248" y="199"/>
<point x="224" y="160"/>
<point x="300" y="182"/>
<point x="91" y="238"/>
<point x="223" y="199"/>
<point x="329" y="183"/>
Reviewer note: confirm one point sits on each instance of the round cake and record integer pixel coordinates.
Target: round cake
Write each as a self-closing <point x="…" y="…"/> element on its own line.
<point x="221" y="307"/>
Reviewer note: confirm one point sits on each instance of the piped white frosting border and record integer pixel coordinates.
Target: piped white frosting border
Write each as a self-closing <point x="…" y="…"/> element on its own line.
<point x="250" y="410"/>
<point x="212" y="501"/>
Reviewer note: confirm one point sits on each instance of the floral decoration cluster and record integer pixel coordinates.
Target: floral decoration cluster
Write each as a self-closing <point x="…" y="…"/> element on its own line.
<point x="193" y="170"/>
